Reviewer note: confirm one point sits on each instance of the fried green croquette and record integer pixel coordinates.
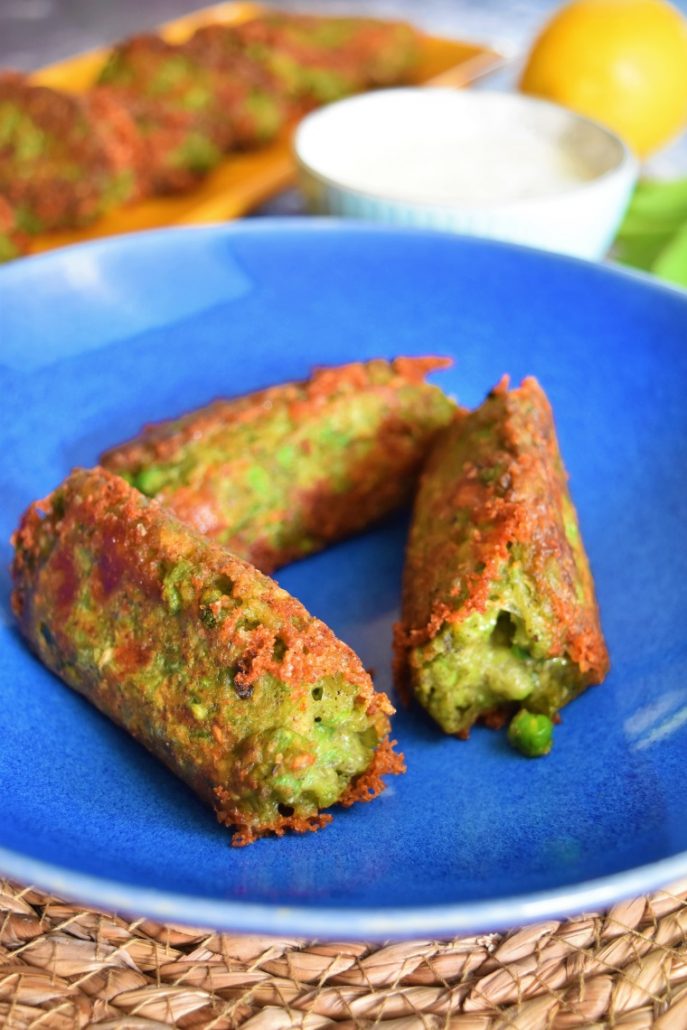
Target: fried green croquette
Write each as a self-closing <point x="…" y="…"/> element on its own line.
<point x="64" y="159"/>
<point x="221" y="674"/>
<point x="498" y="600"/>
<point x="313" y="60"/>
<point x="177" y="106"/>
<point x="281" y="473"/>
<point x="253" y="105"/>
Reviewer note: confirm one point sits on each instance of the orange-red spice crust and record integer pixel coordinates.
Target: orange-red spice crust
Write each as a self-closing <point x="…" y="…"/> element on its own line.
<point x="449" y="571"/>
<point x="359" y="434"/>
<point x="159" y="441"/>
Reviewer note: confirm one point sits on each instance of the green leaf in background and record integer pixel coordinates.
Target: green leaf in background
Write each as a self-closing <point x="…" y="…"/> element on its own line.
<point x="671" y="263"/>
<point x="653" y="235"/>
<point x="641" y="250"/>
<point x="658" y="203"/>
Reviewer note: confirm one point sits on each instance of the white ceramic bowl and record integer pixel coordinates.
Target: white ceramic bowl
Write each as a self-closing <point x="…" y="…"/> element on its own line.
<point x="501" y="165"/>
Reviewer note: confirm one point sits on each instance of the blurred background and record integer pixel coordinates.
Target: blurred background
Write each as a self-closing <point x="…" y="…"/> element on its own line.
<point x="38" y="32"/>
<point x="591" y="60"/>
<point x="33" y="32"/>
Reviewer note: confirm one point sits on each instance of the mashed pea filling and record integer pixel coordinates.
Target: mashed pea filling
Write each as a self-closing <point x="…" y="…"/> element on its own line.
<point x="307" y="763"/>
<point x="494" y="659"/>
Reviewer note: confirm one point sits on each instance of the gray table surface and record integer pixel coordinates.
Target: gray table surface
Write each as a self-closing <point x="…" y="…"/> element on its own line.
<point x="37" y="32"/>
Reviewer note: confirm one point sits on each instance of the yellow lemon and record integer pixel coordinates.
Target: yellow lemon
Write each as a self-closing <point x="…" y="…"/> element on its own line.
<point x="623" y="62"/>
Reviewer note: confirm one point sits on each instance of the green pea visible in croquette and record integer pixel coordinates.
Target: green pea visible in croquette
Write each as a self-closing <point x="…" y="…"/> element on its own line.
<point x="531" y="733"/>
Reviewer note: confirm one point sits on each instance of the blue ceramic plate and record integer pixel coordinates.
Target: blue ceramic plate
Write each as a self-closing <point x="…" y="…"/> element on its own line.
<point x="97" y="339"/>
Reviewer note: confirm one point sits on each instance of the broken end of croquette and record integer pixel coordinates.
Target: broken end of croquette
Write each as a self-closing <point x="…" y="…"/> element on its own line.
<point x="365" y="787"/>
<point x="369" y="785"/>
<point x="245" y="833"/>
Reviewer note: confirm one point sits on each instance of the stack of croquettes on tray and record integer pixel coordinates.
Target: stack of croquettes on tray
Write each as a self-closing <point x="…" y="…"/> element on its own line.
<point x="160" y="116"/>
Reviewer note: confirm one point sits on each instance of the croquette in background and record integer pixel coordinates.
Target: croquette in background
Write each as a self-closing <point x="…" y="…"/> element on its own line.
<point x="161" y="116"/>
<point x="65" y="159"/>
<point x="180" y="106"/>
<point x="316" y="60"/>
<point x="13" y="242"/>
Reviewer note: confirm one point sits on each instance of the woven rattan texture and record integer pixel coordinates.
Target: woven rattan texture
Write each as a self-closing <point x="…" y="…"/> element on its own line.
<point x="64" y="966"/>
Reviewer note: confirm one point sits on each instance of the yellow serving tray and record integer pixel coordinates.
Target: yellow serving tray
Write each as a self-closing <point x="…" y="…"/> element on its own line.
<point x="242" y="181"/>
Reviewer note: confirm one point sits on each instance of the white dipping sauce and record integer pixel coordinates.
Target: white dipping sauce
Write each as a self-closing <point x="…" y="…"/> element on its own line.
<point x="439" y="146"/>
<point x="479" y="170"/>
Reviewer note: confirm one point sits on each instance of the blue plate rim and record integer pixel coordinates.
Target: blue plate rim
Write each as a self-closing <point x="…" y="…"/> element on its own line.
<point x="318" y="223"/>
<point x="352" y="923"/>
<point x="329" y="921"/>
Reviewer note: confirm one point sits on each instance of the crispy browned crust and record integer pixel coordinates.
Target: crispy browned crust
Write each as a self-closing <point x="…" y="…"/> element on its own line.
<point x="244" y="834"/>
<point x="159" y="441"/>
<point x="378" y="481"/>
<point x="369" y="785"/>
<point x="119" y="535"/>
<point x="449" y="573"/>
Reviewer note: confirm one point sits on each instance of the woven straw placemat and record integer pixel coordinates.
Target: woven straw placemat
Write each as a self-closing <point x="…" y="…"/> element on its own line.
<point x="64" y="966"/>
